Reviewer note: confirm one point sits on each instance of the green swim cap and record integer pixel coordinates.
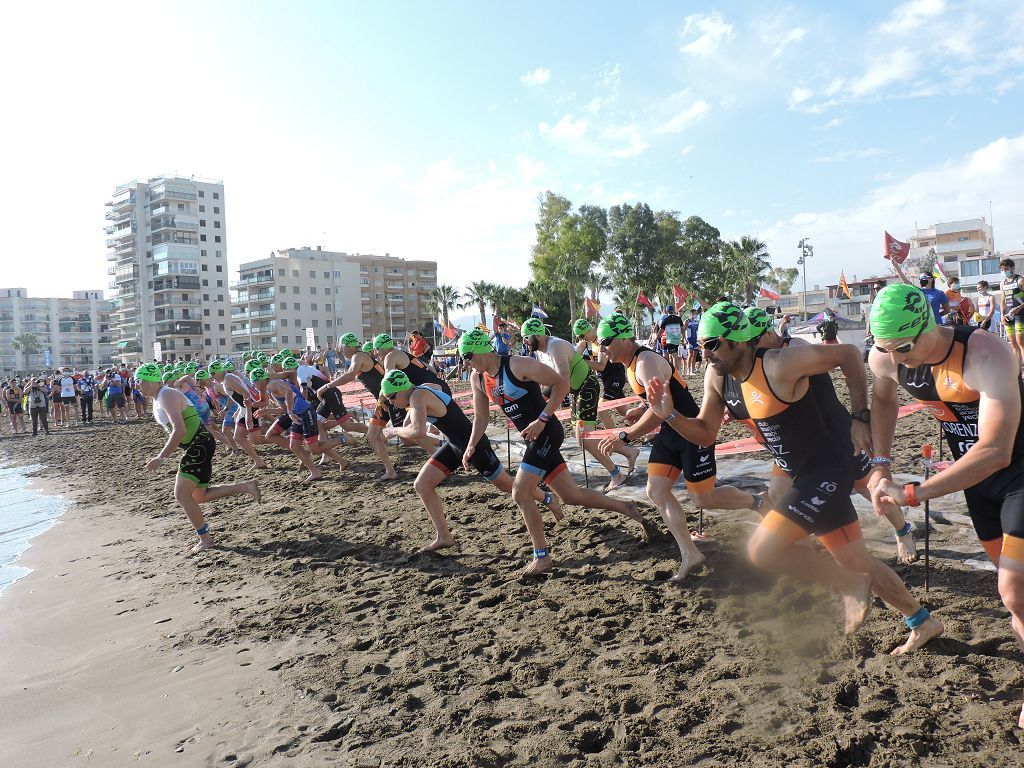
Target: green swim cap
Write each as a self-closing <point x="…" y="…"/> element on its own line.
<point x="202" y="375"/>
<point x="395" y="381"/>
<point x="260" y="355"/>
<point x="170" y="377"/>
<point x="758" y="323"/>
<point x="216" y="366"/>
<point x="900" y="311"/>
<point x="228" y="366"/>
<point x="258" y="374"/>
<point x="615" y="326"/>
<point x="252" y="364"/>
<point x="349" y="340"/>
<point x="383" y="341"/>
<point x="290" y="364"/>
<point x="475" y="341"/>
<point x="246" y="355"/>
<point x="580" y="327"/>
<point x="724" y="320"/>
<point x="191" y="368"/>
<point x="533" y="327"/>
<point x="149" y="372"/>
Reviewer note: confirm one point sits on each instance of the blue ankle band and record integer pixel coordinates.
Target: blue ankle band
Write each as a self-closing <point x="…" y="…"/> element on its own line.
<point x="917" y="619"/>
<point x="907" y="528"/>
<point x="204" y="530"/>
<point x="548" y="498"/>
<point x="540" y="554"/>
<point x="615" y="472"/>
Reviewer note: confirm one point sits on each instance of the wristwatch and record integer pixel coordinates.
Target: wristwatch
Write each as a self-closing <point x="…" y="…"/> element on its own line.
<point x="624" y="437"/>
<point x="863" y="415"/>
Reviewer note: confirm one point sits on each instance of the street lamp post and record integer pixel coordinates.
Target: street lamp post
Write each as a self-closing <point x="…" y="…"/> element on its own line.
<point x="806" y="251"/>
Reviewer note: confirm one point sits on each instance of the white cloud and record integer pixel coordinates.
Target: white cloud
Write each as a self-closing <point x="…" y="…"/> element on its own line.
<point x="778" y="39"/>
<point x="899" y="64"/>
<point x="835" y="122"/>
<point x="635" y="143"/>
<point x="530" y="168"/>
<point x="682" y="120"/>
<point x="539" y="76"/>
<point x="798" y="96"/>
<point x="851" y="154"/>
<point x="703" y="33"/>
<point x="850" y="237"/>
<point x="568" y="128"/>
<point x="911" y="16"/>
<point x="686" y="150"/>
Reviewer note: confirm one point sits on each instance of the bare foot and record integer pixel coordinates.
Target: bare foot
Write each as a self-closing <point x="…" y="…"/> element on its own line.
<point x="205" y="542"/>
<point x="687" y="567"/>
<point x="538" y="567"/>
<point x="556" y="508"/>
<point x="928" y="631"/>
<point x="259" y="465"/>
<point x="616" y="480"/>
<point x="906" y="549"/>
<point x="632" y="456"/>
<point x="392" y="475"/>
<point x="253" y="489"/>
<point x="438" y="544"/>
<point x="342" y="463"/>
<point x="314" y="476"/>
<point x="857" y="603"/>
<point x="650" y="531"/>
<point x="1020" y="720"/>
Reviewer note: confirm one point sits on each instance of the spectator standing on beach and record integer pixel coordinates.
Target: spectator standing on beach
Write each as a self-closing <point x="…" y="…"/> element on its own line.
<point x="38" y="404"/>
<point x="986" y="306"/>
<point x="828" y="328"/>
<point x="1011" y="305"/>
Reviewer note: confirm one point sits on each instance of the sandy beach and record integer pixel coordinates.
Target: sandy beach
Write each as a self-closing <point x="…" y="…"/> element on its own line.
<point x="313" y="635"/>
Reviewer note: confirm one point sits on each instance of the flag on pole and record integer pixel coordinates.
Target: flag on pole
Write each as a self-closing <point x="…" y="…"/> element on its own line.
<point x="679" y="295"/>
<point x="538" y="312"/>
<point x="941" y="281"/>
<point x="643" y="301"/>
<point x="895" y="250"/>
<point x="438" y="326"/>
<point x="495" y="320"/>
<point x="767" y="294"/>
<point x="590" y="307"/>
<point x="844" y="286"/>
<point x="450" y="331"/>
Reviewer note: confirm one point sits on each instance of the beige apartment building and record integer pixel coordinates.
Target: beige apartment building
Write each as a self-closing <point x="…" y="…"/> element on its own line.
<point x="167" y="261"/>
<point x="965" y="248"/>
<point x="279" y="299"/>
<point x="71" y="332"/>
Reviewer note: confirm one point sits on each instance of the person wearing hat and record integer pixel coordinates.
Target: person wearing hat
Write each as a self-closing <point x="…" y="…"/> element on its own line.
<point x="771" y="389"/>
<point x="971" y="383"/>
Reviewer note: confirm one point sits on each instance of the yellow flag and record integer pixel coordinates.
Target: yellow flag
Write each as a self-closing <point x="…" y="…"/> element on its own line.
<point x="844" y="286"/>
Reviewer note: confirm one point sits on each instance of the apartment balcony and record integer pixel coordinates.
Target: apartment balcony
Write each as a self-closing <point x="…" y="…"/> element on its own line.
<point x="176" y="284"/>
<point x="253" y="280"/>
<point x="245" y="297"/>
<point x="121" y="203"/>
<point x="164" y="300"/>
<point x="240" y="331"/>
<point x="180" y="221"/>
<point x="166" y="328"/>
<point x="174" y="236"/>
<point x="161" y="193"/>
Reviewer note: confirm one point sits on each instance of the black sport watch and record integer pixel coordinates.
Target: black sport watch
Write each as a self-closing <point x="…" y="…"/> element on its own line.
<point x="624" y="437"/>
<point x="863" y="415"/>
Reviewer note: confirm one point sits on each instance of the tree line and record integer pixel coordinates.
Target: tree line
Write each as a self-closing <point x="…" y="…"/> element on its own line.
<point x="626" y="249"/>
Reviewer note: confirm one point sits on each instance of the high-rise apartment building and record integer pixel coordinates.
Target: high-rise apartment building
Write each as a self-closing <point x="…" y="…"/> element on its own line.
<point x="167" y="259"/>
<point x="71" y="332"/>
<point x="277" y="298"/>
<point x="965" y="248"/>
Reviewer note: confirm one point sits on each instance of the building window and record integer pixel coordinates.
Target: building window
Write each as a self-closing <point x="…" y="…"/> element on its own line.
<point x="963" y="239"/>
<point x="329" y="322"/>
<point x="990" y="266"/>
<point x="298" y="339"/>
<point x="327" y="275"/>
<point x="284" y="322"/>
<point x="201" y="193"/>
<point x="219" y="254"/>
<point x="202" y="238"/>
<point x="220" y="296"/>
<point x="202" y="222"/>
<point x="216" y="225"/>
<point x="337" y="274"/>
<point x="216" y="238"/>
<point x="206" y="326"/>
<point x="295" y="273"/>
<point x="280" y="273"/>
<point x="206" y="297"/>
<point x="223" y="342"/>
<point x="202" y="209"/>
<point x="204" y="268"/>
<point x="203" y="253"/>
<point x="216" y="195"/>
<point x="295" y="289"/>
<point x="316" y="323"/>
<point x="312" y="289"/>
<point x="216" y="209"/>
<point x="184" y="297"/>
<point x="188" y="342"/>
<point x="220" y="313"/>
<point x="181" y="206"/>
<point x="220" y="283"/>
<point x="206" y="313"/>
<point x="205" y="341"/>
<point x="221" y="329"/>
<point x="312" y="274"/>
<point x="970" y="268"/>
<point x="220" y="268"/>
<point x="205" y="282"/>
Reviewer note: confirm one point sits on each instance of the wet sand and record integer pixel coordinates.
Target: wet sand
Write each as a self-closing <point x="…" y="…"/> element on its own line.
<point x="357" y="651"/>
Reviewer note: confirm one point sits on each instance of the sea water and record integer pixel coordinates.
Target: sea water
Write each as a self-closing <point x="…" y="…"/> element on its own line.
<point x="25" y="512"/>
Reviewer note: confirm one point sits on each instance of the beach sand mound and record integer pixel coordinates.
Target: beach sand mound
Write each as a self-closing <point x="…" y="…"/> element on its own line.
<point x="452" y="660"/>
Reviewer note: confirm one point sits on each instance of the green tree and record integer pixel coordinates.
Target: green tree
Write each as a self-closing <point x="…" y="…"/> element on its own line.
<point x="700" y="268"/>
<point x="28" y="345"/>
<point x="598" y="281"/>
<point x="443" y="299"/>
<point x="745" y="267"/>
<point x="635" y="254"/>
<point x="478" y="293"/>
<point x="781" y="279"/>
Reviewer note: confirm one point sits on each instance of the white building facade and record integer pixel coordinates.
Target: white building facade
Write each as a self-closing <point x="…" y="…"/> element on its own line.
<point x="72" y="332"/>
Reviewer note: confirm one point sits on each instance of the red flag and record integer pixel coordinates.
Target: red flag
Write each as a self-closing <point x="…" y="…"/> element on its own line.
<point x="680" y="296"/>
<point x="450" y="332"/>
<point x="643" y="301"/>
<point x="765" y="293"/>
<point x="590" y="307"/>
<point x="494" y="322"/>
<point x="895" y="250"/>
<point x="844" y="286"/>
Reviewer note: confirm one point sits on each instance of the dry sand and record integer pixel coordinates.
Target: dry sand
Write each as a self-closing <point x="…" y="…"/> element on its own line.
<point x="314" y="636"/>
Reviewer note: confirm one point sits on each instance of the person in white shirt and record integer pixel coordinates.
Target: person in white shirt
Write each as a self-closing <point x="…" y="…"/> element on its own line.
<point x="986" y="304"/>
<point x="67" y="397"/>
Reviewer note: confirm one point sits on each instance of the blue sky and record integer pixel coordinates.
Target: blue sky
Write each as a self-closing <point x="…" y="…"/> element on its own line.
<point x="429" y="130"/>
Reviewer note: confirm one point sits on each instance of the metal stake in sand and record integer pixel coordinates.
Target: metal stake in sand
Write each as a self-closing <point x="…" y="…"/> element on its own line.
<point x="583" y="453"/>
<point x="508" y="445"/>
<point x="926" y="453"/>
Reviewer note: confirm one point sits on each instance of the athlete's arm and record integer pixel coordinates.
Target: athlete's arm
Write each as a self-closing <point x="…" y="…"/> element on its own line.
<point x="481" y="415"/>
<point x="704" y="427"/>
<point x="172" y="407"/>
<point x="344" y="378"/>
<point x="393" y="360"/>
<point x="530" y="369"/>
<point x="885" y="406"/>
<point x="993" y="371"/>
<point x="415" y="425"/>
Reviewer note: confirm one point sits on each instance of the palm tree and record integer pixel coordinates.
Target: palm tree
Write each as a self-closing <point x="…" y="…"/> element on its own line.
<point x="748" y="265"/>
<point x="27" y="344"/>
<point x="596" y="282"/>
<point x="443" y="299"/>
<point x="478" y="293"/>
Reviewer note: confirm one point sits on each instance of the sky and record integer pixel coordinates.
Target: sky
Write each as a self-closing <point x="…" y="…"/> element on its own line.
<point x="429" y="130"/>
